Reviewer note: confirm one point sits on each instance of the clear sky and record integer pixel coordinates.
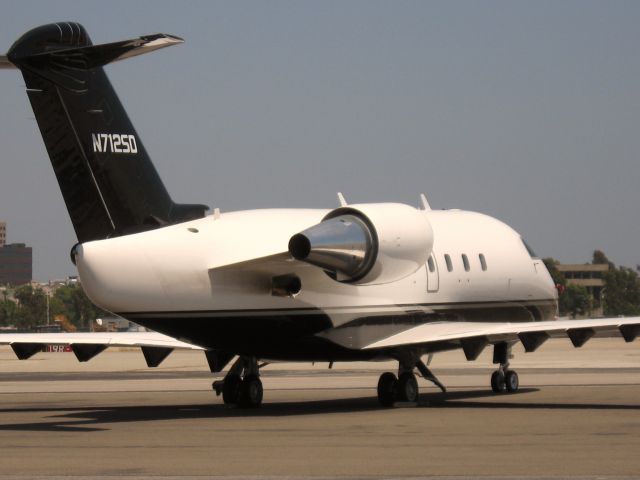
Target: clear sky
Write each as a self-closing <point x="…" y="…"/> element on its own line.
<point x="527" y="111"/>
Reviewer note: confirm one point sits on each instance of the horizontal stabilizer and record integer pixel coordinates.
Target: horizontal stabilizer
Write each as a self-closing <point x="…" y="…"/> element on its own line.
<point x="91" y="56"/>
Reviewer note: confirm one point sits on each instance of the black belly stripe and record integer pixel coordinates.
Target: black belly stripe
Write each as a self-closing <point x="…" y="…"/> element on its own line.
<point x="292" y="334"/>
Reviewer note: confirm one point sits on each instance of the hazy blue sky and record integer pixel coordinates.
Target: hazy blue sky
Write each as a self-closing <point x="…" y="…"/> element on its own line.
<point x="527" y="111"/>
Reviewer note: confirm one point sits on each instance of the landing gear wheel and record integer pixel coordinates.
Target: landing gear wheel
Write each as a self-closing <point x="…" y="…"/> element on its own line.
<point x="498" y="384"/>
<point x="231" y="389"/>
<point x="387" y="389"/>
<point x="251" y="392"/>
<point x="511" y="380"/>
<point x="407" y="389"/>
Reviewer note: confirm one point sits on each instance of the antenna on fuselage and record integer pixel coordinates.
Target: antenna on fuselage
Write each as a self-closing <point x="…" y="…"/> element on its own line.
<point x="341" y="200"/>
<point x="424" y="202"/>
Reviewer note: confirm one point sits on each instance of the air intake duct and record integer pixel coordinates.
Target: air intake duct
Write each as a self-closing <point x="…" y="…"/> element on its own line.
<point x="367" y="244"/>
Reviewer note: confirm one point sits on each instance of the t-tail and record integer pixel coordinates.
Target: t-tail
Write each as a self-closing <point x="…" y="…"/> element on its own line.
<point x="108" y="181"/>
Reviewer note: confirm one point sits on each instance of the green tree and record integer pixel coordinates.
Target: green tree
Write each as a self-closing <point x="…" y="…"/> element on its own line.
<point x="599" y="258"/>
<point x="31" y="306"/>
<point x="560" y="282"/>
<point x="574" y="300"/>
<point x="71" y="302"/>
<point x="622" y="292"/>
<point x="622" y="288"/>
<point x="7" y="312"/>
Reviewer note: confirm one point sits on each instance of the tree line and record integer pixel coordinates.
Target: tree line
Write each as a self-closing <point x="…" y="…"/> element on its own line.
<point x="26" y="307"/>
<point x="621" y="292"/>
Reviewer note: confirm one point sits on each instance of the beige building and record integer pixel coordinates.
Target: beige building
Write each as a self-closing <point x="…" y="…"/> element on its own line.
<point x="590" y="277"/>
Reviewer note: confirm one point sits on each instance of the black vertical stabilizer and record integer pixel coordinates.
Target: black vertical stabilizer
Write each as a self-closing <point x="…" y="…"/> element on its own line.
<point x="108" y="182"/>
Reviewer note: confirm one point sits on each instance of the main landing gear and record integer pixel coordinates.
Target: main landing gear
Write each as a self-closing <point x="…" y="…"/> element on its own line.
<point x="242" y="385"/>
<point x="503" y="379"/>
<point x="404" y="387"/>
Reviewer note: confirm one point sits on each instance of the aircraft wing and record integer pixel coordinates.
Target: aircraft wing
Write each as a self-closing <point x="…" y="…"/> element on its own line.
<point x="155" y="346"/>
<point x="474" y="336"/>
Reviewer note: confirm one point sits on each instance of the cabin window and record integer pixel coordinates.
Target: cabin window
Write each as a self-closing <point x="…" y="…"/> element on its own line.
<point x="465" y="262"/>
<point x="483" y="262"/>
<point x="431" y="265"/>
<point x="447" y="260"/>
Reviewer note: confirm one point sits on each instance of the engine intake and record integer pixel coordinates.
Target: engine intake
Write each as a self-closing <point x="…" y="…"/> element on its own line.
<point x="367" y="244"/>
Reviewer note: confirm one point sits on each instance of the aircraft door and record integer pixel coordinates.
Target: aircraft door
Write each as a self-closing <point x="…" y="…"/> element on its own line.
<point x="433" y="279"/>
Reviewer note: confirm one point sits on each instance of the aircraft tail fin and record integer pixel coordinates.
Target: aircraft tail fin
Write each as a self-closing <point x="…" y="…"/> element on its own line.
<point x="107" y="179"/>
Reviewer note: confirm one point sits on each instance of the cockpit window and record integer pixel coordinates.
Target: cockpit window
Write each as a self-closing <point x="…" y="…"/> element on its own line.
<point x="532" y="254"/>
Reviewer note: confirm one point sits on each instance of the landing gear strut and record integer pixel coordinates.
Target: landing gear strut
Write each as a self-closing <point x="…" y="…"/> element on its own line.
<point x="503" y="379"/>
<point x="242" y="385"/>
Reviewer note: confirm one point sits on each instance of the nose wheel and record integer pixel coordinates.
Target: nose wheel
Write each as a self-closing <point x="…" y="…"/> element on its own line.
<point x="503" y="379"/>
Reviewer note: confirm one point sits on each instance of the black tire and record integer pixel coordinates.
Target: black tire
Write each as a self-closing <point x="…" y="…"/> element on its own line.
<point x="251" y="392"/>
<point x="498" y="384"/>
<point x="407" y="390"/>
<point x="387" y="389"/>
<point x="512" y="381"/>
<point x="231" y="389"/>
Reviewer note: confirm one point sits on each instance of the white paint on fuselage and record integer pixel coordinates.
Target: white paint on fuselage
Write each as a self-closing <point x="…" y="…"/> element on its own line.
<point x="210" y="265"/>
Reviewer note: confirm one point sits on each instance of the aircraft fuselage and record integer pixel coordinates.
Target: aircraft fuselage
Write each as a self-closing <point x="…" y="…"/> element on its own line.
<point x="198" y="281"/>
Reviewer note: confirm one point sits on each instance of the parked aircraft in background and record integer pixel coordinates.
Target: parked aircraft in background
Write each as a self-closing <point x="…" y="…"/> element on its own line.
<point x="358" y="282"/>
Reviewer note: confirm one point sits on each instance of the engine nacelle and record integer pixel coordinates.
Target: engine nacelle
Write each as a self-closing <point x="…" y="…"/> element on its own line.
<point x="368" y="243"/>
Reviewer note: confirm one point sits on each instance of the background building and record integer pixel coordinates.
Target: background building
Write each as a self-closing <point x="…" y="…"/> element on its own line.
<point x="16" y="261"/>
<point x="589" y="276"/>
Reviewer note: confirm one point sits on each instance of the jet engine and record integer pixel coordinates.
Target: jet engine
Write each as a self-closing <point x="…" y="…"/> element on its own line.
<point x="367" y="244"/>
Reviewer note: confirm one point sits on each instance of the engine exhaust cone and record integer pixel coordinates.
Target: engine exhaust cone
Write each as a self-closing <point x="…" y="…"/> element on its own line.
<point x="344" y="246"/>
<point x="299" y="246"/>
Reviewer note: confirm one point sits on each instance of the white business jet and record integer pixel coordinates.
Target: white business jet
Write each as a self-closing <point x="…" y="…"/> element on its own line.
<point x="358" y="282"/>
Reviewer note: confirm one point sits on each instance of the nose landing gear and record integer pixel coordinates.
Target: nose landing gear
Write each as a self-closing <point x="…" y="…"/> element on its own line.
<point x="503" y="379"/>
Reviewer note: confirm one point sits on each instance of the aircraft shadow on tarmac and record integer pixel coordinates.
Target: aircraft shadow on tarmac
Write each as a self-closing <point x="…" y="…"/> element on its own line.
<point x="70" y="419"/>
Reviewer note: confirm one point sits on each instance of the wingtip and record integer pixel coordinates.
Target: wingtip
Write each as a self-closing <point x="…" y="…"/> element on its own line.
<point x="175" y="38"/>
<point x="163" y="38"/>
